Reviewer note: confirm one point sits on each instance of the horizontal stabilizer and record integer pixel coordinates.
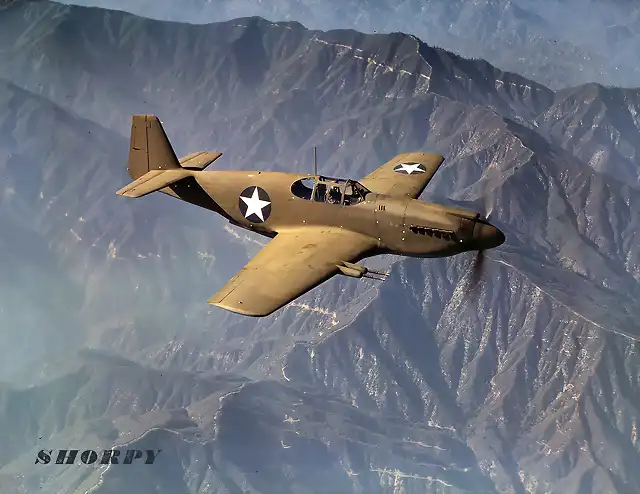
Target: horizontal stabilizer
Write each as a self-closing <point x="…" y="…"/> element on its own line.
<point x="199" y="160"/>
<point x="152" y="181"/>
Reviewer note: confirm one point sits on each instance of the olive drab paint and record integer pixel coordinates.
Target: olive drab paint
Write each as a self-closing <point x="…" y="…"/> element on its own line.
<point x="320" y="226"/>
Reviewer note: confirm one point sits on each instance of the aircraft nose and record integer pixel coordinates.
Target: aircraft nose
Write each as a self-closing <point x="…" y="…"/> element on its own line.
<point x="487" y="236"/>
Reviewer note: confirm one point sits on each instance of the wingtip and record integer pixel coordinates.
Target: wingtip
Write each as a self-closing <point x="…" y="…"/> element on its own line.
<point x="235" y="310"/>
<point x="127" y="192"/>
<point x="425" y="155"/>
<point x="435" y="156"/>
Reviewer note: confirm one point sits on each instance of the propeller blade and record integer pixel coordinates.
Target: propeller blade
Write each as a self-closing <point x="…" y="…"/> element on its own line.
<point x="477" y="270"/>
<point x="487" y="207"/>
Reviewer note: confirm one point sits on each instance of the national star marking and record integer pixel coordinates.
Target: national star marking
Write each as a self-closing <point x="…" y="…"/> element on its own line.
<point x="410" y="168"/>
<point x="255" y="205"/>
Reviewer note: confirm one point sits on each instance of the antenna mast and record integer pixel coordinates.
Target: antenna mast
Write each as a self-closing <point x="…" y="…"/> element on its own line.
<point x="315" y="161"/>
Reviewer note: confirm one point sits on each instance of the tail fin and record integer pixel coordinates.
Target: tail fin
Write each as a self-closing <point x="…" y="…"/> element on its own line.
<point x="149" y="148"/>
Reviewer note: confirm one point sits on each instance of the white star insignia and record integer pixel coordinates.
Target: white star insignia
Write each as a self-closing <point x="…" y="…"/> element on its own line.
<point x="410" y="168"/>
<point x="255" y="205"/>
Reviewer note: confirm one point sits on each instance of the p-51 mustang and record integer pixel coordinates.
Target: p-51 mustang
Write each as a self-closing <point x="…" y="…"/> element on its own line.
<point x="320" y="226"/>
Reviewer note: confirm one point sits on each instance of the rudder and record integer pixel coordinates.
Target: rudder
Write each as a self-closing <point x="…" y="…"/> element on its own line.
<point x="149" y="148"/>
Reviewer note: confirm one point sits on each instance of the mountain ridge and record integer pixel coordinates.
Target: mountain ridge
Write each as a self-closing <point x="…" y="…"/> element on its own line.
<point x="507" y="382"/>
<point x="547" y="41"/>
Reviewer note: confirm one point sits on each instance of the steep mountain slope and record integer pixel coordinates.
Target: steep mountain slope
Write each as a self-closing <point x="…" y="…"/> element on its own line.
<point x="559" y="43"/>
<point x="417" y="385"/>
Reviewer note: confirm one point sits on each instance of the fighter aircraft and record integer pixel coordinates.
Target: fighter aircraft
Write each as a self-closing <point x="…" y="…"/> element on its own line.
<point x="320" y="226"/>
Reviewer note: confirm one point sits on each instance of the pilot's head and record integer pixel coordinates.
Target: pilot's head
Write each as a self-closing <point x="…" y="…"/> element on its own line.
<point x="335" y="194"/>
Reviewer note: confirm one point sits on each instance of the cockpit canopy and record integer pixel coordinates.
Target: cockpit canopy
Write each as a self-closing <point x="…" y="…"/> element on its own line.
<point x="329" y="190"/>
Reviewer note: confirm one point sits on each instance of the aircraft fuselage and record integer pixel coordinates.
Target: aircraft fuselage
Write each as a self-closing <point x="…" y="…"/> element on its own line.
<point x="263" y="202"/>
<point x="323" y="226"/>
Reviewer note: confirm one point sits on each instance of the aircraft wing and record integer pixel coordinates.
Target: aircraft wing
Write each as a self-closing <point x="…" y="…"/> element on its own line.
<point x="405" y="175"/>
<point x="290" y="265"/>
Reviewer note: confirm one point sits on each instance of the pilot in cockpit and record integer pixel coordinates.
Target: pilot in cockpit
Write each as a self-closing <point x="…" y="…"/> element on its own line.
<point x="334" y="195"/>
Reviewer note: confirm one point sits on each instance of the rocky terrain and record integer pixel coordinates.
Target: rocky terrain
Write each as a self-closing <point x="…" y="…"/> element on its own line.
<point x="528" y="383"/>
<point x="559" y="43"/>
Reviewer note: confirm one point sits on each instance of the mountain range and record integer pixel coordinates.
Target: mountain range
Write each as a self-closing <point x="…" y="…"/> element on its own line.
<point x="528" y="383"/>
<point x="559" y="43"/>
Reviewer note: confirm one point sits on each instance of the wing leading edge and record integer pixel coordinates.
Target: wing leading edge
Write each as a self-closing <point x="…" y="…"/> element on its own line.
<point x="406" y="174"/>
<point x="290" y="265"/>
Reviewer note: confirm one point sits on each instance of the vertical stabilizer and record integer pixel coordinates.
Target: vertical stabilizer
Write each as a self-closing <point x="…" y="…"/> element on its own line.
<point x="149" y="148"/>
